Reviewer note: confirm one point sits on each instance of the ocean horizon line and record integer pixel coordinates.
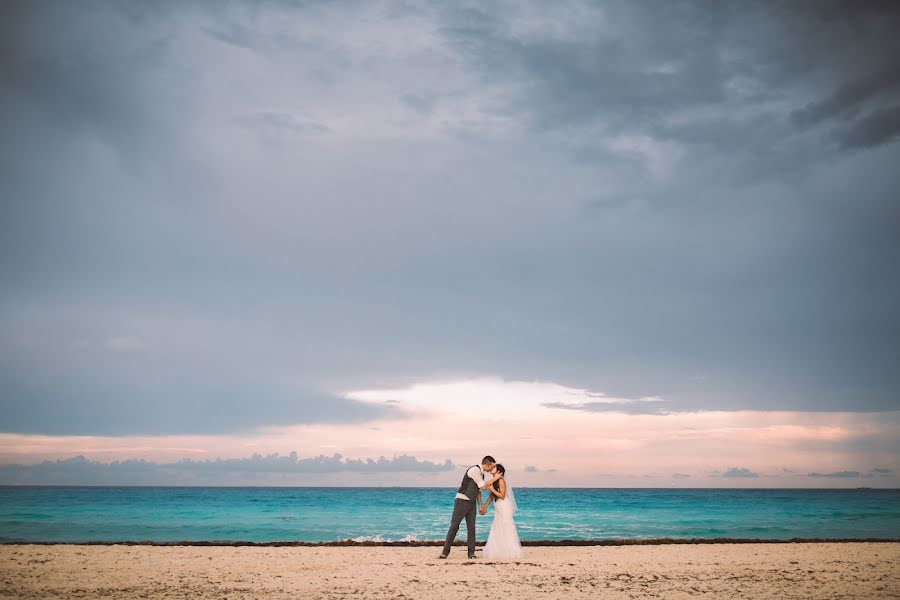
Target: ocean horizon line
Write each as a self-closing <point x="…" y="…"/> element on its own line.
<point x="429" y="487"/>
<point x="439" y="543"/>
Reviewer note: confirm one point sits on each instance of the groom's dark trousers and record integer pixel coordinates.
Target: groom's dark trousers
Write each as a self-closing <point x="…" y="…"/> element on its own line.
<point x="462" y="508"/>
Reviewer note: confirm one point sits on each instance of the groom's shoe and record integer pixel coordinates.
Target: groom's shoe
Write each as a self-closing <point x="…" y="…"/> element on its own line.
<point x="443" y="556"/>
<point x="472" y="557"/>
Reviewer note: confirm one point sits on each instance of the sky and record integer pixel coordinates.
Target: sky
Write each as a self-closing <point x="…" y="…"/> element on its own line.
<point x="367" y="243"/>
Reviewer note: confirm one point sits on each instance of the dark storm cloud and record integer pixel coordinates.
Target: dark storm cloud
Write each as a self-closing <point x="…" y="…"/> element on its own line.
<point x="84" y="471"/>
<point x="735" y="66"/>
<point x="221" y="216"/>
<point x="609" y="69"/>
<point x="82" y="69"/>
<point x="725" y="82"/>
<point x="879" y="127"/>
<point x="846" y="101"/>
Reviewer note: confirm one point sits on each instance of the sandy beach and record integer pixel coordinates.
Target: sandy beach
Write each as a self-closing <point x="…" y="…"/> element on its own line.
<point x="807" y="570"/>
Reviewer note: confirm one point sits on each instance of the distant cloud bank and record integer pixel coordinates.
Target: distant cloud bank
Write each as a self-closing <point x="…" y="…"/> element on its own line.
<point x="79" y="470"/>
<point x="739" y="472"/>
<point x="291" y="470"/>
<point x="853" y="474"/>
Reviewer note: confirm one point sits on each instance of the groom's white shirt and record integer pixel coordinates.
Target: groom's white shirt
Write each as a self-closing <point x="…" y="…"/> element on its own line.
<point x="477" y="476"/>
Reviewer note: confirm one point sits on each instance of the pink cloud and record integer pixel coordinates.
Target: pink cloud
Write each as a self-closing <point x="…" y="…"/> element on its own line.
<point x="571" y="447"/>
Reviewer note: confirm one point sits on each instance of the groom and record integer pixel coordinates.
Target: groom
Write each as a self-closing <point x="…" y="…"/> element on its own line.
<point x="470" y="488"/>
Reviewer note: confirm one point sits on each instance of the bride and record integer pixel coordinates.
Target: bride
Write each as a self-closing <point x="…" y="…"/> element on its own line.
<point x="503" y="540"/>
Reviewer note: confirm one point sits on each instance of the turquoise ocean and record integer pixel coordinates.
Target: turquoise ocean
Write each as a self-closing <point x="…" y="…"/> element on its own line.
<point x="253" y="514"/>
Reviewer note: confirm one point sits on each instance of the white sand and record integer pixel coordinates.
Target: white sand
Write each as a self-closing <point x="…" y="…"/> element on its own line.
<point x="849" y="570"/>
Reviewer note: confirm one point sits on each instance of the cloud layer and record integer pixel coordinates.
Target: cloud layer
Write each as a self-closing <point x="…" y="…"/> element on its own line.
<point x="221" y="217"/>
<point x="286" y="470"/>
<point x="289" y="470"/>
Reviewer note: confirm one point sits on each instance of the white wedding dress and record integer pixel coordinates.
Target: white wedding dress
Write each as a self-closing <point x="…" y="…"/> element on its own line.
<point x="503" y="540"/>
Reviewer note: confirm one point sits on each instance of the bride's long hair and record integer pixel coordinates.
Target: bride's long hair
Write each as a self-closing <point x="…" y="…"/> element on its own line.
<point x="502" y="470"/>
<point x="510" y="497"/>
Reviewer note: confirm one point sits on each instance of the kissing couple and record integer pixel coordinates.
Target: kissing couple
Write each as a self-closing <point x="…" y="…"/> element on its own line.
<point x="503" y="539"/>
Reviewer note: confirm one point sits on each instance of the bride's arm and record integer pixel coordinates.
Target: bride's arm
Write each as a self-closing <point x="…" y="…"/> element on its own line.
<point x="501" y="494"/>
<point x="488" y="482"/>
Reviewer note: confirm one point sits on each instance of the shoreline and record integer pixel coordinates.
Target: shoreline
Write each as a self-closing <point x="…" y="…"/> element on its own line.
<point x="438" y="543"/>
<point x="431" y="487"/>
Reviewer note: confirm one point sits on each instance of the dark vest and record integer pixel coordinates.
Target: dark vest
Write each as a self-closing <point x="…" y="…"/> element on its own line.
<point x="468" y="487"/>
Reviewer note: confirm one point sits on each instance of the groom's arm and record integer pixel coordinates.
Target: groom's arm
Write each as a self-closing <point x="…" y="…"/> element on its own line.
<point x="483" y="484"/>
<point x="476" y="475"/>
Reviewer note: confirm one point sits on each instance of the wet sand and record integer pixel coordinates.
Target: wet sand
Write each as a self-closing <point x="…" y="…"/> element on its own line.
<point x="799" y="570"/>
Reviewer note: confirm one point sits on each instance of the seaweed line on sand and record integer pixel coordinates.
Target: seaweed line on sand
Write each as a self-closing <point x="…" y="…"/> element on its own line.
<point x="410" y="544"/>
